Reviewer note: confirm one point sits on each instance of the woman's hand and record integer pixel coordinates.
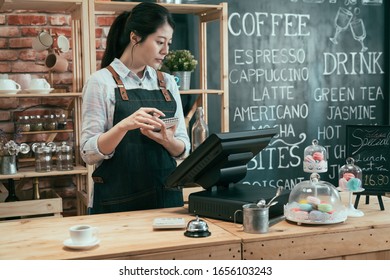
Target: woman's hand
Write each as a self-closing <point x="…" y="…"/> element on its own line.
<point x="143" y="118"/>
<point x="163" y="136"/>
<point x="166" y="138"/>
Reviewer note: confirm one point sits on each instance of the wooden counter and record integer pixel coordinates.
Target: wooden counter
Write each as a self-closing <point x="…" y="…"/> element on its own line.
<point x="366" y="237"/>
<point x="127" y="235"/>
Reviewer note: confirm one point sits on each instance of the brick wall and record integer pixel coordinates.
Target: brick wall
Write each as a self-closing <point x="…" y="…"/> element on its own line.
<point x="17" y="30"/>
<point x="103" y="23"/>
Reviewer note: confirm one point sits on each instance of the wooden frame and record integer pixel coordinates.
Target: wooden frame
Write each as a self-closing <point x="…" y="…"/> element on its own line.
<point x="78" y="9"/>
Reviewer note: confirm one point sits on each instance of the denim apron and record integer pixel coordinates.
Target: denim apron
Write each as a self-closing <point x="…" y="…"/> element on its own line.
<point x="133" y="179"/>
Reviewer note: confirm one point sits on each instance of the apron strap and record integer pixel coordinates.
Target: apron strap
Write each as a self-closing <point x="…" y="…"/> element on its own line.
<point x="122" y="89"/>
<point x="162" y="85"/>
<point x="119" y="83"/>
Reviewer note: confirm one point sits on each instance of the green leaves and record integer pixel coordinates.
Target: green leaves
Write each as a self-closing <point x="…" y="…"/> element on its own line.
<point x="180" y="60"/>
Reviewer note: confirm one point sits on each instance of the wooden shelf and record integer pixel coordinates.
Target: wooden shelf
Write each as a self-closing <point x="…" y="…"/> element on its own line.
<point x="47" y="131"/>
<point x="196" y="9"/>
<point x="31" y="173"/>
<point x="43" y="5"/>
<point x="46" y="95"/>
<point x="202" y="91"/>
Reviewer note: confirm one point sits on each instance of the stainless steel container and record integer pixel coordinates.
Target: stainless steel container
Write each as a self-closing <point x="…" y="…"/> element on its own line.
<point x="8" y="164"/>
<point x="255" y="218"/>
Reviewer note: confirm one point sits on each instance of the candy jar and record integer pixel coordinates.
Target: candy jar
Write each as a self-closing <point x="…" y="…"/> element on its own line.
<point x="350" y="180"/>
<point x="315" y="202"/>
<point x="315" y="158"/>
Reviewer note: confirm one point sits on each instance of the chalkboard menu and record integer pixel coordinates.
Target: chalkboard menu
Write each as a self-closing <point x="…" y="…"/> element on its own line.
<point x="309" y="68"/>
<point x="369" y="146"/>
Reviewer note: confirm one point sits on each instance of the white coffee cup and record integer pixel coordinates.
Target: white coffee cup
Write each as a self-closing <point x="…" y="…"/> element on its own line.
<point x="83" y="234"/>
<point x="39" y="83"/>
<point x="23" y="80"/>
<point x="8" y="84"/>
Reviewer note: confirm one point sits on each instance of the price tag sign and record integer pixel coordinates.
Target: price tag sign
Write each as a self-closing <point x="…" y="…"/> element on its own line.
<point x="370" y="148"/>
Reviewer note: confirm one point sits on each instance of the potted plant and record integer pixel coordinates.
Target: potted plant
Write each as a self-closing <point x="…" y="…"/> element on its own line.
<point x="180" y="63"/>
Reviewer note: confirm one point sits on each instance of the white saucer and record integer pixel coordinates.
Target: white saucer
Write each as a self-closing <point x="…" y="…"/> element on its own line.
<point x="68" y="243"/>
<point x="9" y="91"/>
<point x="346" y="190"/>
<point x="43" y="90"/>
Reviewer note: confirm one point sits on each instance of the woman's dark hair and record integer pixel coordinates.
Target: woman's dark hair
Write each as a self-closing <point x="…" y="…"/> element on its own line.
<point x="143" y="20"/>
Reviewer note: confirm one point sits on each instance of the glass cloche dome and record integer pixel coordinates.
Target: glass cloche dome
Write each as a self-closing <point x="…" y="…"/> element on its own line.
<point x="315" y="158"/>
<point x="350" y="180"/>
<point x="315" y="202"/>
<point x="350" y="177"/>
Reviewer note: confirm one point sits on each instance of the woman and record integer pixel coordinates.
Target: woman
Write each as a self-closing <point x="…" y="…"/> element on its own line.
<point x="123" y="106"/>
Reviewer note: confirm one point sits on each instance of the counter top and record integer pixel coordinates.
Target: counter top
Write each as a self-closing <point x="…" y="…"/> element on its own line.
<point x="127" y="235"/>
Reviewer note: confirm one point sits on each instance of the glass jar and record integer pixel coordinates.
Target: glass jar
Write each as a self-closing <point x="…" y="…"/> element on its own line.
<point x="64" y="157"/>
<point x="23" y="124"/>
<point x="61" y="121"/>
<point x="315" y="158"/>
<point x="36" y="123"/>
<point x="50" y="122"/>
<point x="43" y="156"/>
<point x="200" y="130"/>
<point x="45" y="121"/>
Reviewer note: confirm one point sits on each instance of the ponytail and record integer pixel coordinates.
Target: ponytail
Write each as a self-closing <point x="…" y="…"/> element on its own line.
<point x="117" y="41"/>
<point x="144" y="19"/>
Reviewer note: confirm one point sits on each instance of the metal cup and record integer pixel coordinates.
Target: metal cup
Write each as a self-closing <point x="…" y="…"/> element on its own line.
<point x="8" y="165"/>
<point x="255" y="218"/>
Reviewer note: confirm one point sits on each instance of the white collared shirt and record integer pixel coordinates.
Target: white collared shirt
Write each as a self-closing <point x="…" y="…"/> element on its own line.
<point x="99" y="105"/>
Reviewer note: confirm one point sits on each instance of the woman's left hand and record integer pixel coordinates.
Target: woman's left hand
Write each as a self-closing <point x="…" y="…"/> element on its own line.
<point x="166" y="138"/>
<point x="163" y="137"/>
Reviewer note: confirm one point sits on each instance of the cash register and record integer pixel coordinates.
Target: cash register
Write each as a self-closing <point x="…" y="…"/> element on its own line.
<point x="218" y="165"/>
